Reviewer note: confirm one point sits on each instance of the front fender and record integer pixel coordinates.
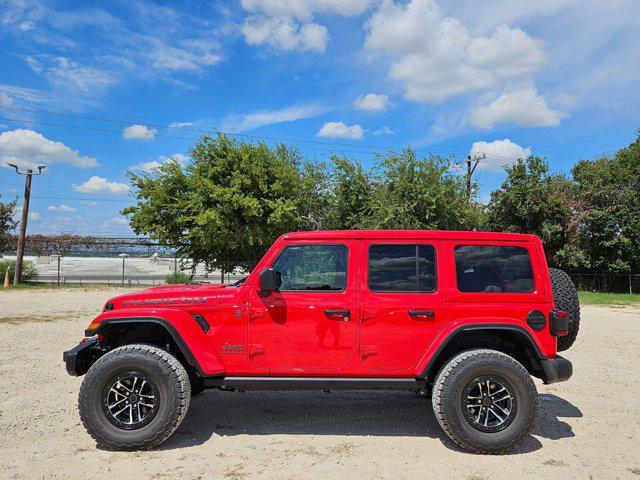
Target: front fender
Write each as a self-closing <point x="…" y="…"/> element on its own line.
<point x="183" y="328"/>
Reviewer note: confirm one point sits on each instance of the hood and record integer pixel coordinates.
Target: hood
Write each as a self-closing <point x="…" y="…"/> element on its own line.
<point x="172" y="296"/>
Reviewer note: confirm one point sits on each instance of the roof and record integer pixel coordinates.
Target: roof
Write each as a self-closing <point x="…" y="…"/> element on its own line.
<point x="408" y="234"/>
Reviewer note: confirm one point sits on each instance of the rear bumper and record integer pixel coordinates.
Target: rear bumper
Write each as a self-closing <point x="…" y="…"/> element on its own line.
<point x="557" y="370"/>
<point x="81" y="357"/>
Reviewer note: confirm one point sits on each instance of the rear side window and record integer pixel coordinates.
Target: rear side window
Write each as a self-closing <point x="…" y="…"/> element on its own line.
<point x="493" y="269"/>
<point x="313" y="267"/>
<point x="402" y="268"/>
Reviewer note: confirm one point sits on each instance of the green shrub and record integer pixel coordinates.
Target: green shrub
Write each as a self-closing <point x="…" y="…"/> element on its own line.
<point x="180" y="277"/>
<point x="28" y="270"/>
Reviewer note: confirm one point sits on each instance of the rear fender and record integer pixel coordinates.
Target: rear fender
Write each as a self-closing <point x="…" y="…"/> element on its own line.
<point x="183" y="328"/>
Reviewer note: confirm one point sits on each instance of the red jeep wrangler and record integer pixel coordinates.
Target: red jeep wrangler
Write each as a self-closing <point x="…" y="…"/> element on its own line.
<point x="467" y="316"/>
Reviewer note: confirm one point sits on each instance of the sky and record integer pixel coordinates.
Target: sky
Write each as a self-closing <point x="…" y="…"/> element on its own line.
<point x="96" y="89"/>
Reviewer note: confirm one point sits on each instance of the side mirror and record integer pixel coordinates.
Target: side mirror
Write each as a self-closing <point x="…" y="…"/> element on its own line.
<point x="269" y="280"/>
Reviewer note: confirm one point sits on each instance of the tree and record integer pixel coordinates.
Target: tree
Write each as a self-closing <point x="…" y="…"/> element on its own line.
<point x="413" y="193"/>
<point x="350" y="194"/>
<point x="532" y="201"/>
<point x="7" y="223"/>
<point x="608" y="206"/>
<point x="227" y="206"/>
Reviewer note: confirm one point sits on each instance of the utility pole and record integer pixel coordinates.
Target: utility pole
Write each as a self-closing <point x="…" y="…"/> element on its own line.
<point x="475" y="159"/>
<point x="25" y="215"/>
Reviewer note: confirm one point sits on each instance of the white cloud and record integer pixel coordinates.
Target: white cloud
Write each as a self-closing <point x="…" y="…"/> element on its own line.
<point x="141" y="133"/>
<point x="5" y="99"/>
<point x="384" y="131"/>
<point x="153" y="164"/>
<point x="341" y="130"/>
<point x="28" y="148"/>
<point x="437" y="58"/>
<point x="499" y="153"/>
<point x="524" y="107"/>
<point x="121" y="224"/>
<point x="34" y="216"/>
<point x="178" y="58"/>
<point x="374" y="102"/>
<point x="60" y="208"/>
<point x="70" y="75"/>
<point x="261" y="118"/>
<point x="89" y="203"/>
<point x="101" y="185"/>
<point x="181" y="124"/>
<point x="288" y="24"/>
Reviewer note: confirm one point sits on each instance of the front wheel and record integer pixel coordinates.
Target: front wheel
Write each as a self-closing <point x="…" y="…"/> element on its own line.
<point x="485" y="401"/>
<point x="134" y="397"/>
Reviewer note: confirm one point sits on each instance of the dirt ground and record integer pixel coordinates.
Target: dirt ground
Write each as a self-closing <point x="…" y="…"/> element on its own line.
<point x="589" y="427"/>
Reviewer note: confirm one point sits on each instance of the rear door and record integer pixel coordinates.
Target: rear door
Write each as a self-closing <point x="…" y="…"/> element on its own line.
<point x="310" y="324"/>
<point x="403" y="306"/>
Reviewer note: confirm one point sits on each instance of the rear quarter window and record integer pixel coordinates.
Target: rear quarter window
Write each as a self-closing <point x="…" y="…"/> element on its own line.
<point x="493" y="269"/>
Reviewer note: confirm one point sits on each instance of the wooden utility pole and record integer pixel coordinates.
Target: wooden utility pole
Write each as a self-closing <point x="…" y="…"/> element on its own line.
<point x="23" y="221"/>
<point x="475" y="159"/>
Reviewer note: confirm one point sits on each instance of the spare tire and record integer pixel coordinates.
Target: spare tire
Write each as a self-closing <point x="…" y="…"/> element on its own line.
<point x="565" y="298"/>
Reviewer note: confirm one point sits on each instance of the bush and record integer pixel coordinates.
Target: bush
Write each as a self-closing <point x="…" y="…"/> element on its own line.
<point x="179" y="278"/>
<point x="28" y="270"/>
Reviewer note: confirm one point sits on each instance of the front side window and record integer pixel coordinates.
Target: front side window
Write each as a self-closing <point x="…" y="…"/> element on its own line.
<point x="313" y="267"/>
<point x="402" y="268"/>
<point x="493" y="269"/>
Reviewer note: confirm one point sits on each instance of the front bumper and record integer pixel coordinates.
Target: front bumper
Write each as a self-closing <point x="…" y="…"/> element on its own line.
<point x="557" y="370"/>
<point x="81" y="357"/>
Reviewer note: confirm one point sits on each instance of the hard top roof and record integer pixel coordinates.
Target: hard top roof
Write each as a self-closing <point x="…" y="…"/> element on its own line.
<point x="408" y="234"/>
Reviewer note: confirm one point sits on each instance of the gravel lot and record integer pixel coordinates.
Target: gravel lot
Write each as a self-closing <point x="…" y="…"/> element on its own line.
<point x="589" y="427"/>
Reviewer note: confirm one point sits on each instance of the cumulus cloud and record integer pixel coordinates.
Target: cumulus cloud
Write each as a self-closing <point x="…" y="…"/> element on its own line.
<point x="28" y="148"/>
<point x="288" y="24"/>
<point x="384" y="131"/>
<point x="261" y="118"/>
<point x="524" y="107"/>
<point x="341" y="130"/>
<point x="153" y="164"/>
<point x="60" y="208"/>
<point x="101" y="185"/>
<point x="436" y="57"/>
<point x="373" y="102"/>
<point x="141" y="133"/>
<point x="498" y="153"/>
<point x="34" y="216"/>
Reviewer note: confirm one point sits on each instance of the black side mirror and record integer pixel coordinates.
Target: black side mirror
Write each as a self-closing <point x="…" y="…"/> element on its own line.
<point x="269" y="280"/>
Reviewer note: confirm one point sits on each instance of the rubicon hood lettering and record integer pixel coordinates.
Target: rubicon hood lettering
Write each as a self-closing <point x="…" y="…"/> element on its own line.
<point x="163" y="301"/>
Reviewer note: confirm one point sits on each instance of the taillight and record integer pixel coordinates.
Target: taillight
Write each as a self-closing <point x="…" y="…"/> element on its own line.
<point x="558" y="323"/>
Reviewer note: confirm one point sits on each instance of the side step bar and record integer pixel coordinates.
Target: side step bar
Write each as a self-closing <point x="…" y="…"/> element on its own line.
<point x="314" y="383"/>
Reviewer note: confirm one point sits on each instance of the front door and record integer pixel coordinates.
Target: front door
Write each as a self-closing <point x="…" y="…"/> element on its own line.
<point x="310" y="323"/>
<point x="402" y="305"/>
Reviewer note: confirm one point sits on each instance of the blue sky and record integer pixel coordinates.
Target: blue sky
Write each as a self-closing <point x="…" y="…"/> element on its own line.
<point x="500" y="78"/>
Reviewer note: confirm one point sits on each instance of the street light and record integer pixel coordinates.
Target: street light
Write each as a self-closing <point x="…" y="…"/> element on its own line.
<point x="25" y="214"/>
<point x="123" y="256"/>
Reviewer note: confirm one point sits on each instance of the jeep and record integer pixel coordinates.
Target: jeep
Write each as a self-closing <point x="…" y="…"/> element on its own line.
<point x="466" y="318"/>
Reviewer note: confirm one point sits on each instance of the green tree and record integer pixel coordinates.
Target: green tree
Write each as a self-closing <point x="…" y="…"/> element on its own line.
<point x="227" y="206"/>
<point x="532" y="201"/>
<point x="607" y="203"/>
<point x="350" y="194"/>
<point x="418" y="193"/>
<point x="7" y="223"/>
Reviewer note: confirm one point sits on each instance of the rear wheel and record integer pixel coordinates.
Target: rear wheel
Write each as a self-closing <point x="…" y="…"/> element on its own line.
<point x="565" y="298"/>
<point x="134" y="397"/>
<point x="485" y="401"/>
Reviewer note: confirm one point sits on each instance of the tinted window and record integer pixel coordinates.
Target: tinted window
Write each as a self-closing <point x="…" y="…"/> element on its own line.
<point x="402" y="268"/>
<point x="313" y="267"/>
<point x="493" y="269"/>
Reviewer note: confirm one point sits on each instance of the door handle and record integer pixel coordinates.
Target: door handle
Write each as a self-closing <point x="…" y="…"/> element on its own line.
<point x="422" y="313"/>
<point x="344" y="314"/>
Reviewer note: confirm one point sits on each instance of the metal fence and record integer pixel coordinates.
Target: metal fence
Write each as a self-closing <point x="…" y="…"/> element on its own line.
<point x="127" y="280"/>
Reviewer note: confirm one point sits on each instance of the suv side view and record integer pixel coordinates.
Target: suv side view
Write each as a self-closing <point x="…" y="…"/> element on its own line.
<point x="468" y="317"/>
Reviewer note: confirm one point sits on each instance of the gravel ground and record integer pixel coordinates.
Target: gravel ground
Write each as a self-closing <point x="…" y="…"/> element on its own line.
<point x="589" y="427"/>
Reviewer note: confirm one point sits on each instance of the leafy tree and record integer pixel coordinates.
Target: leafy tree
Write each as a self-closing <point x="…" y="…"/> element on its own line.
<point x="413" y="193"/>
<point x="608" y="210"/>
<point x="227" y="206"/>
<point x="351" y="188"/>
<point x="532" y="201"/>
<point x="7" y="223"/>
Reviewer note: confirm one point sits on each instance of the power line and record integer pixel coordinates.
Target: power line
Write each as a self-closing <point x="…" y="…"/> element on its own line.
<point x="74" y="198"/>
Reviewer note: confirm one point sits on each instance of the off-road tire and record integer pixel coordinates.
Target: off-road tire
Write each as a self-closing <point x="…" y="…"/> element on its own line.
<point x="174" y="391"/>
<point x="565" y="298"/>
<point x="448" y="391"/>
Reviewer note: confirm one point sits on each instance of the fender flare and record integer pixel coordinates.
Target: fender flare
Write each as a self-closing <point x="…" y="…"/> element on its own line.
<point x="209" y="370"/>
<point x="482" y="326"/>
